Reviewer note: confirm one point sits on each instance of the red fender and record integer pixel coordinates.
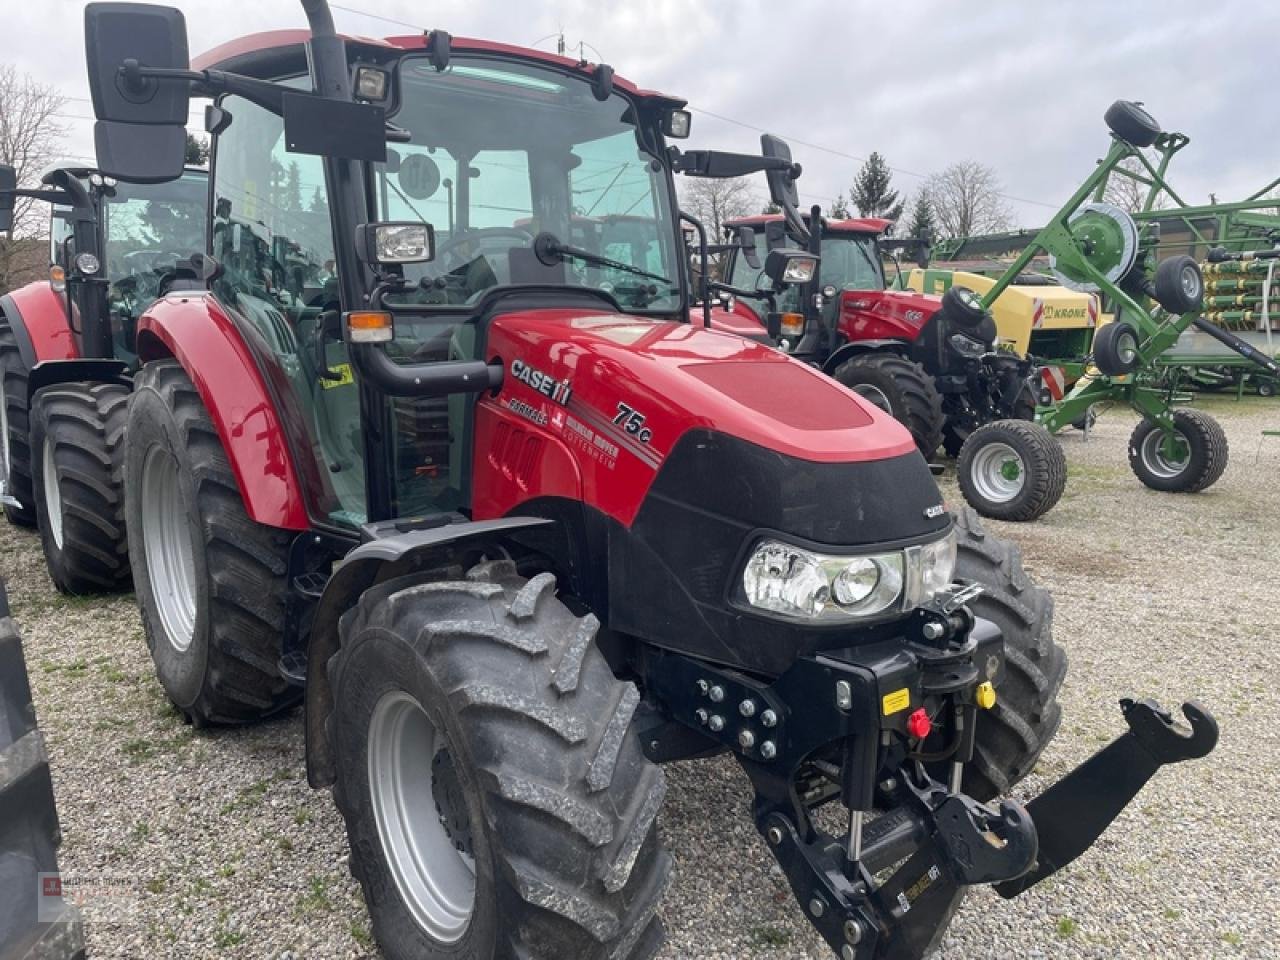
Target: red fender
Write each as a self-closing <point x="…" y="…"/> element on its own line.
<point x="194" y="329"/>
<point x="42" y="312"/>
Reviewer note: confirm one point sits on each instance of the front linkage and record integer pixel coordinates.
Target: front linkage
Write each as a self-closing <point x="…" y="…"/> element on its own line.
<point x="872" y="725"/>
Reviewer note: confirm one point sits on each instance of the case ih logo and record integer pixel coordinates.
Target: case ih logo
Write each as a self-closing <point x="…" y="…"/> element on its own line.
<point x="544" y="383"/>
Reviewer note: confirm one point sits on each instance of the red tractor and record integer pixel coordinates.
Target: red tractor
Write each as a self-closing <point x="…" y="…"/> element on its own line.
<point x="519" y="533"/>
<point x="67" y="356"/>
<point x="932" y="362"/>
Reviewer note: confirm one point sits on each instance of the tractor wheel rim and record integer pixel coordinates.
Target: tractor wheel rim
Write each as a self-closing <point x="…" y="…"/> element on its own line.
<point x="52" y="494"/>
<point x="166" y="540"/>
<point x="874" y="394"/>
<point x="436" y="880"/>
<point x="1157" y="460"/>
<point x="999" y="473"/>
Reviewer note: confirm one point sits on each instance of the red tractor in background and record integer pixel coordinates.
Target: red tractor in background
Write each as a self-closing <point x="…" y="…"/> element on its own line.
<point x="932" y="362"/>
<point x="67" y="356"/>
<point x="472" y="484"/>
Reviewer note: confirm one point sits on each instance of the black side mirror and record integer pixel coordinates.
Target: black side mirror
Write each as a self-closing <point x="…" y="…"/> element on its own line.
<point x="141" y="130"/>
<point x="8" y="184"/>
<point x="747" y="241"/>
<point x="782" y="185"/>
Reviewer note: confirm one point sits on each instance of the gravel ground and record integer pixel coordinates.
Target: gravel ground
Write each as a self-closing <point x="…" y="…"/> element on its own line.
<point x="225" y="851"/>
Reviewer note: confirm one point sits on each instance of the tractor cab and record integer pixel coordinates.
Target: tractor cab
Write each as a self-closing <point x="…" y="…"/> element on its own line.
<point x="112" y="244"/>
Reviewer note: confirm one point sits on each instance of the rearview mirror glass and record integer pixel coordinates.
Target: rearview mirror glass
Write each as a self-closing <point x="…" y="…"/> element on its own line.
<point x="8" y="183"/>
<point x="141" y="130"/>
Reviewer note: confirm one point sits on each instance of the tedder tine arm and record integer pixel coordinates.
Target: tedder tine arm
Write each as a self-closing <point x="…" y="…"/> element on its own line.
<point x="1074" y="812"/>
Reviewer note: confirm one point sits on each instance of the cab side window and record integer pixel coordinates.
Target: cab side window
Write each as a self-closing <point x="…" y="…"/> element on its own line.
<point x="271" y="233"/>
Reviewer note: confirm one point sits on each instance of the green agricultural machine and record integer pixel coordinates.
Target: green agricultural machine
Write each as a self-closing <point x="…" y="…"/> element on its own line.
<point x="1095" y="247"/>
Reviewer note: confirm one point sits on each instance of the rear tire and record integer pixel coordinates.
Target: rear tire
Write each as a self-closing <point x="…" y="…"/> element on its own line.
<point x="903" y="389"/>
<point x="522" y="744"/>
<point x="15" y="449"/>
<point x="1012" y="734"/>
<point x="1204" y="453"/>
<point x="1012" y="470"/>
<point x="76" y="431"/>
<point x="210" y="582"/>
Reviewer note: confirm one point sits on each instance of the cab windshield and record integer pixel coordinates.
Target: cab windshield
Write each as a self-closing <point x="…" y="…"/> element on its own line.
<point x="146" y="230"/>
<point x="500" y="152"/>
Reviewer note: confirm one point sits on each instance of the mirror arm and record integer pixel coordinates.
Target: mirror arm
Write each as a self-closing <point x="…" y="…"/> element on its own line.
<point x="718" y="165"/>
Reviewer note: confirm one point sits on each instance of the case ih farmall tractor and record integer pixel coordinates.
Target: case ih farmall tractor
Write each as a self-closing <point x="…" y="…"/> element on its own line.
<point x="526" y="533"/>
<point x="67" y="354"/>
<point x="932" y="362"/>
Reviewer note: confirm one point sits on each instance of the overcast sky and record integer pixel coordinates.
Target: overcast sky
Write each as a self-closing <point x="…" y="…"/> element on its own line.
<point x="1020" y="86"/>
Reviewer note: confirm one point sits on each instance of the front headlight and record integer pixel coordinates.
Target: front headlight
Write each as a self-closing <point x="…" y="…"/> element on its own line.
<point x="802" y="584"/>
<point x="969" y="348"/>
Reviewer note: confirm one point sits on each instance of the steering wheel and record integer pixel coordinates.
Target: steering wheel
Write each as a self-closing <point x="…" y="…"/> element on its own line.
<point x="479" y="236"/>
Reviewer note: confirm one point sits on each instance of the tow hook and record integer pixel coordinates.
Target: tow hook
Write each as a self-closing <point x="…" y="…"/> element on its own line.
<point x="1074" y="812"/>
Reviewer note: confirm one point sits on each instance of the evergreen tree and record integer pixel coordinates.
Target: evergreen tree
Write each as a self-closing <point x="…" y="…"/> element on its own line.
<point x="923" y="223"/>
<point x="839" y="208"/>
<point x="771" y="207"/>
<point x="197" y="152"/>
<point x="871" y="192"/>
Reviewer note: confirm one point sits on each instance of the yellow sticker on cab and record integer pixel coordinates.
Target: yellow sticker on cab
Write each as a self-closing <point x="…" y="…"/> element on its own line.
<point x="892" y="703"/>
<point x="343" y="370"/>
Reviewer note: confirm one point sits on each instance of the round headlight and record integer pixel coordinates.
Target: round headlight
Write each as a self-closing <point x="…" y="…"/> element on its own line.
<point x="855" y="582"/>
<point x="829" y="291"/>
<point x="87" y="263"/>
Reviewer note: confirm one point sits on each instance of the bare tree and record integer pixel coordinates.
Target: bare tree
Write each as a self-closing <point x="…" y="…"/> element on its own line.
<point x="30" y="137"/>
<point x="966" y="200"/>
<point x="715" y="202"/>
<point x="1129" y="194"/>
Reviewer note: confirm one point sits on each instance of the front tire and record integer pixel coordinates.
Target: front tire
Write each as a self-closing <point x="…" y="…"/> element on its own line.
<point x="902" y="389"/>
<point x="1192" y="461"/>
<point x="1012" y="470"/>
<point x="210" y="582"/>
<point x="15" y="449"/>
<point x="491" y="707"/>
<point x="76" y="432"/>
<point x="1012" y="735"/>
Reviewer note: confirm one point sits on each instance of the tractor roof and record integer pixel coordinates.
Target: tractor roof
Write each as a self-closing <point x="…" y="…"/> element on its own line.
<point x="279" y="53"/>
<point x="872" y="225"/>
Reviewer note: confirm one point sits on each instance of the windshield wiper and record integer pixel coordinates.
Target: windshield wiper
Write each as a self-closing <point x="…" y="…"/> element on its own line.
<point x="549" y="250"/>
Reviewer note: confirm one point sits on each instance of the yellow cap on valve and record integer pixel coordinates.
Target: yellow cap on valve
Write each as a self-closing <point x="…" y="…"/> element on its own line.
<point x="985" y="695"/>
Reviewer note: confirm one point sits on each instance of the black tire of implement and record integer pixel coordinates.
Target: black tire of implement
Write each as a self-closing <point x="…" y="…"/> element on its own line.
<point x="1266" y="388"/>
<point x="1209" y="453"/>
<point x="30" y="833"/>
<point x="1107" y="345"/>
<point x="1012" y="735"/>
<point x="561" y="800"/>
<point x="1042" y="457"/>
<point x="1086" y="419"/>
<point x="961" y="309"/>
<point x="230" y="673"/>
<point x="85" y="423"/>
<point x="1128" y="121"/>
<point x="912" y="395"/>
<point x="1169" y="291"/>
<point x="16" y="413"/>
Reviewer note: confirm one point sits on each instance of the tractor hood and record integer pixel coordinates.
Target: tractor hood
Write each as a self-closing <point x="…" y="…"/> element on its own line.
<point x="627" y="406"/>
<point x="885" y="314"/>
<point x="681" y="376"/>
